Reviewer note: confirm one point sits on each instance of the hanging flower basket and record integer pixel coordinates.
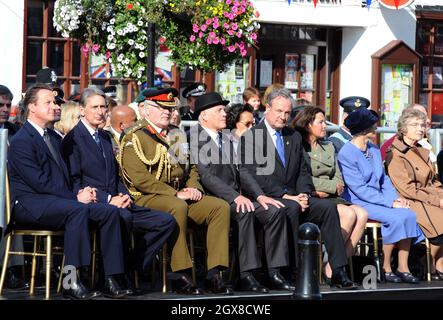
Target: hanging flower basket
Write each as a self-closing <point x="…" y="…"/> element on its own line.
<point x="208" y="34"/>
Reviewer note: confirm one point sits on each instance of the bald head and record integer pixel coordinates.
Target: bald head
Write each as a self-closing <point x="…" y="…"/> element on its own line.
<point x="122" y="117"/>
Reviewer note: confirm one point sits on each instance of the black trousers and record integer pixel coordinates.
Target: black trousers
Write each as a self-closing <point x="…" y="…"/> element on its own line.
<point x="274" y="225"/>
<point x="324" y="214"/>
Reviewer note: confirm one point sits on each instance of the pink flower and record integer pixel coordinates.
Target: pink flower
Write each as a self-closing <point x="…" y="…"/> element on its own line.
<point x="241" y="45"/>
<point x="195" y="28"/>
<point x="209" y="40"/>
<point x="215" y="19"/>
<point x="212" y="34"/>
<point x="257" y="14"/>
<point x="231" y="16"/>
<point x="200" y="34"/>
<point x="253" y="36"/>
<point x="85" y="50"/>
<point x="222" y="40"/>
<point x="192" y="38"/>
<point x="226" y="26"/>
<point x="95" y="48"/>
<point x="230" y="32"/>
<point x="234" y="9"/>
<point x="234" y="26"/>
<point x="215" y="41"/>
<point x="228" y="1"/>
<point x="208" y="22"/>
<point x="215" y="25"/>
<point x="231" y="48"/>
<point x="243" y="52"/>
<point x="203" y="27"/>
<point x="236" y="3"/>
<point x="238" y="34"/>
<point x="107" y="55"/>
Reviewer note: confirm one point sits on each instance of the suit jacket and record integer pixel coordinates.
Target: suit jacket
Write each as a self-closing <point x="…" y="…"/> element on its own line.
<point x="33" y="171"/>
<point x="324" y="168"/>
<point x="220" y="178"/>
<point x="147" y="181"/>
<point x="88" y="166"/>
<point x="259" y="156"/>
<point x="364" y="177"/>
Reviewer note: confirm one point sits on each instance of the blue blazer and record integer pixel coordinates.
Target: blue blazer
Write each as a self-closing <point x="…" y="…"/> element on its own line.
<point x="365" y="183"/>
<point x="88" y="166"/>
<point x="34" y="172"/>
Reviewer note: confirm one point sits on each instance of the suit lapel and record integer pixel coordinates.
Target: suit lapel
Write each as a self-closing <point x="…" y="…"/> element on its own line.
<point x="288" y="146"/>
<point x="267" y="138"/>
<point x="89" y="142"/>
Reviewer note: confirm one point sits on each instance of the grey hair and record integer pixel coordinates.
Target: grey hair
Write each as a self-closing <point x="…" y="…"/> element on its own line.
<point x="406" y="116"/>
<point x="284" y="93"/>
<point x="89" y="92"/>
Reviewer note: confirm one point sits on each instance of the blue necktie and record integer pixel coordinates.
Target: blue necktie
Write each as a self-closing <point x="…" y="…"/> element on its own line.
<point x="280" y="147"/>
<point x="98" y="142"/>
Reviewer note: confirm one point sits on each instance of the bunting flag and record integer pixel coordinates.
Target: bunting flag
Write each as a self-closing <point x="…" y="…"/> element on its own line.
<point x="368" y="3"/>
<point x="315" y="3"/>
<point x="396" y="3"/>
<point x="289" y="2"/>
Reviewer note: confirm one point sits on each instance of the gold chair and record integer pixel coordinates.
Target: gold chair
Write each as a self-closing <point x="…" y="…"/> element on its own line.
<point x="48" y="234"/>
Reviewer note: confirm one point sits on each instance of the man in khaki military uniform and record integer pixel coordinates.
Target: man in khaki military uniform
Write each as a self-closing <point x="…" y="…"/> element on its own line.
<point x="154" y="167"/>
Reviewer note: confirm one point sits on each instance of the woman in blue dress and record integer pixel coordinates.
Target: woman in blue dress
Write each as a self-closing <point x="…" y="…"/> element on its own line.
<point x="367" y="186"/>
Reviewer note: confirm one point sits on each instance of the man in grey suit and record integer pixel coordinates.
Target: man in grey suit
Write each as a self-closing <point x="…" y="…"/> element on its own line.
<point x="214" y="155"/>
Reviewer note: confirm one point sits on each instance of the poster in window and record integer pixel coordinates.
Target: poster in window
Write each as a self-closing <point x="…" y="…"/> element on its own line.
<point x="396" y="90"/>
<point x="228" y="83"/>
<point x="291" y="64"/>
<point x="265" y="73"/>
<point x="307" y="71"/>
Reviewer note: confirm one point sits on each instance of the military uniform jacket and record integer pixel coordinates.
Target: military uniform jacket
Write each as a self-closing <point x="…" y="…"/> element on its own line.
<point x="324" y="169"/>
<point x="155" y="165"/>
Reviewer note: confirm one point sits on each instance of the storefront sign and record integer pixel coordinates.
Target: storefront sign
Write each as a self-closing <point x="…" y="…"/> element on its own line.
<point x="395" y="4"/>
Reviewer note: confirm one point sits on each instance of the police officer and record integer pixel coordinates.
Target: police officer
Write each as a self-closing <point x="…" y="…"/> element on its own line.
<point x="348" y="104"/>
<point x="154" y="162"/>
<point x="190" y="93"/>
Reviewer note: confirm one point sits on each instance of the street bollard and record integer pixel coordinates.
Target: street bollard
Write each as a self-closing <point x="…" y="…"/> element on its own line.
<point x="307" y="287"/>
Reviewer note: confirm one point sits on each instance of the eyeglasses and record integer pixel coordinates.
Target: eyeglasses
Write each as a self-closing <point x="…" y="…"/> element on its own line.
<point x="418" y="125"/>
<point x="7" y="105"/>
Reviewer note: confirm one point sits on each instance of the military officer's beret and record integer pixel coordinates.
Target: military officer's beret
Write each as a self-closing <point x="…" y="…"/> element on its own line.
<point x="194" y="90"/>
<point x="350" y="104"/>
<point x="141" y="96"/>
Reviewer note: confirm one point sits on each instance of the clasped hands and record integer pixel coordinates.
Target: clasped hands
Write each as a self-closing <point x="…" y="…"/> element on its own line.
<point x="89" y="195"/>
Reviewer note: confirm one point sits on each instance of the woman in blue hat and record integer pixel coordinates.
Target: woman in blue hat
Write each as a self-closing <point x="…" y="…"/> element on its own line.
<point x="367" y="186"/>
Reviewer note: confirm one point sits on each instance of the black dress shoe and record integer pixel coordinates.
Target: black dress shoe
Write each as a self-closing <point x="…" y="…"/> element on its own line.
<point x="217" y="285"/>
<point x="77" y="291"/>
<point x="341" y="280"/>
<point x="14" y="281"/>
<point x="113" y="289"/>
<point x="249" y="283"/>
<point x="407" y="277"/>
<point x="129" y="284"/>
<point x="185" y="285"/>
<point x="278" y="282"/>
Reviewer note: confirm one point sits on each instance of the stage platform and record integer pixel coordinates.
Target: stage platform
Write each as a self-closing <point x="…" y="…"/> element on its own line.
<point x="384" y="291"/>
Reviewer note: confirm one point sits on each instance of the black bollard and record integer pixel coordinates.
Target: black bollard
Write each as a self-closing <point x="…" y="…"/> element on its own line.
<point x="307" y="274"/>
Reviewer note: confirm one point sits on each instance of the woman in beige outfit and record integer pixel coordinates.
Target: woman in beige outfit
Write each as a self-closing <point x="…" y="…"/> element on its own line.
<point x="413" y="175"/>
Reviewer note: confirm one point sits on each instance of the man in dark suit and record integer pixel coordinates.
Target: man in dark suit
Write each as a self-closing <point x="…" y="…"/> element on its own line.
<point x="122" y="118"/>
<point x="91" y="162"/>
<point x="43" y="197"/>
<point x="273" y="153"/>
<point x="220" y="177"/>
